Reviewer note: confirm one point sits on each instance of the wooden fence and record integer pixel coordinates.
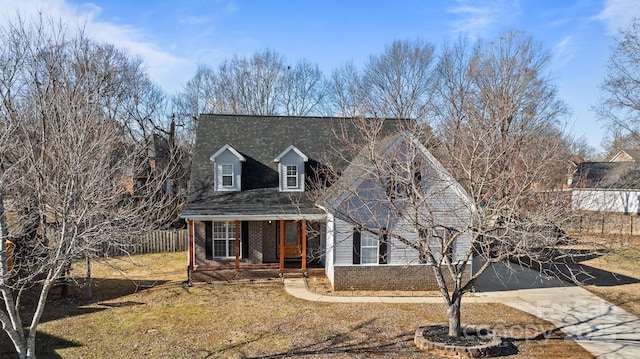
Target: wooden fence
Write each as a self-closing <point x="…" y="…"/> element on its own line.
<point x="152" y="242"/>
<point x="604" y="223"/>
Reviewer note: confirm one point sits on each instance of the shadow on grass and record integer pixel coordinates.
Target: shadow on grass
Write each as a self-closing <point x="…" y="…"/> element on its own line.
<point x="358" y="340"/>
<point x="46" y="346"/>
<point x="105" y="293"/>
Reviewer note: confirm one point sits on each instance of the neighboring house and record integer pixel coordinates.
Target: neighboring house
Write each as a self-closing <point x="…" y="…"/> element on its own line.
<point x="250" y="203"/>
<point x="161" y="161"/>
<point x="612" y="186"/>
<point x="572" y="167"/>
<point x="626" y="156"/>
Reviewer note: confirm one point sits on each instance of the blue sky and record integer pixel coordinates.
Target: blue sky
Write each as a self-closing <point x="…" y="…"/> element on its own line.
<point x="173" y="37"/>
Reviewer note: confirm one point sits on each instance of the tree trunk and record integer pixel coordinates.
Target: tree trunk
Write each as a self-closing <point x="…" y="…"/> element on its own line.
<point x="453" y="312"/>
<point x="87" y="281"/>
<point x="31" y="347"/>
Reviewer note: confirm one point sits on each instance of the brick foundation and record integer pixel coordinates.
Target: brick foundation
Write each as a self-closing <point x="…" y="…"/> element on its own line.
<point x="386" y="277"/>
<point x="492" y="348"/>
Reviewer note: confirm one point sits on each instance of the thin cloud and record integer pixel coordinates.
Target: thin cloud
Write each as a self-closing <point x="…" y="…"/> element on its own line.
<point x="196" y="20"/>
<point x="161" y="65"/>
<point x="475" y="18"/>
<point x="617" y="14"/>
<point x="564" y="50"/>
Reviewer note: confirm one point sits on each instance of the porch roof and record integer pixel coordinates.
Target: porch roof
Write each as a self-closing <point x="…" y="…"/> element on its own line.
<point x="255" y="204"/>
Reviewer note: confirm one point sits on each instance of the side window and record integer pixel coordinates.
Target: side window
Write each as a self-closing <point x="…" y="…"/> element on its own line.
<point x="227" y="175"/>
<point x="369" y="248"/>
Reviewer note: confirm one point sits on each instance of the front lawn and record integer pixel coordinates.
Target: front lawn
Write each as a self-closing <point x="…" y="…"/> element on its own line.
<point x="147" y="312"/>
<point x="622" y="286"/>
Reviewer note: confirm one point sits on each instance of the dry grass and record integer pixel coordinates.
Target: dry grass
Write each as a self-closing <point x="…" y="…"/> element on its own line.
<point x="149" y="313"/>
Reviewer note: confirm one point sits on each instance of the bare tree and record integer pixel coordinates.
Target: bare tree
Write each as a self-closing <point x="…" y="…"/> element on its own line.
<point x="501" y="132"/>
<point x="261" y="85"/>
<point x="69" y="172"/>
<point x="303" y="90"/>
<point x="197" y="96"/>
<point x="580" y="147"/>
<point x="620" y="104"/>
<point x="399" y="82"/>
<point x="346" y="96"/>
<point x="491" y="196"/>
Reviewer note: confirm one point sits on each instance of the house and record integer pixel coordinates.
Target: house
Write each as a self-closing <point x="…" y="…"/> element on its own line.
<point x="161" y="161"/>
<point x="612" y="186"/>
<point x="627" y="155"/>
<point x="252" y="203"/>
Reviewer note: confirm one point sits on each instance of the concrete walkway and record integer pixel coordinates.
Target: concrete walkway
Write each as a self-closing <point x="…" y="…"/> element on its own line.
<point x="600" y="327"/>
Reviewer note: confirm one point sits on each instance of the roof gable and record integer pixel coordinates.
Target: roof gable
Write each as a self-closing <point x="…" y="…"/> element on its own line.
<point x="224" y="148"/>
<point x="626" y="156"/>
<point x="294" y="149"/>
<point x="357" y="173"/>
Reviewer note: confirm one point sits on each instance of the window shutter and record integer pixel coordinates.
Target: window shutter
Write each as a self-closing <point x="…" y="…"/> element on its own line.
<point x="382" y="259"/>
<point x="244" y="232"/>
<point x="356" y="246"/>
<point x="208" y="239"/>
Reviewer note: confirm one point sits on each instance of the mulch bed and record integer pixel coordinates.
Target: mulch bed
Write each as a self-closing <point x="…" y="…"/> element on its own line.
<point x="440" y="334"/>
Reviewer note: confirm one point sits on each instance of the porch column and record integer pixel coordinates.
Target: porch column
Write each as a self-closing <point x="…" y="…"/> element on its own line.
<point x="281" y="245"/>
<point x="304" y="245"/>
<point x="190" y="252"/>
<point x="191" y="243"/>
<point x="237" y="245"/>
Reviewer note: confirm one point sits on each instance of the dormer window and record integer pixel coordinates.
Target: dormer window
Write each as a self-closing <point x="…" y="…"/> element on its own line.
<point x="227" y="169"/>
<point x="227" y="175"/>
<point x="292" y="177"/>
<point x="291" y="169"/>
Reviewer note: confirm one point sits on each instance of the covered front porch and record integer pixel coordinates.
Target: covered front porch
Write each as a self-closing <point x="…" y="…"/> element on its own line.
<point x="243" y="243"/>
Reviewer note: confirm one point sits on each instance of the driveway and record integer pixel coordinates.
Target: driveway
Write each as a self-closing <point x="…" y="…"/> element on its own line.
<point x="602" y="328"/>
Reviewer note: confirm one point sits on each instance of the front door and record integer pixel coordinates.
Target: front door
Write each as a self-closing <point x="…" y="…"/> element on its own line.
<point x="292" y="240"/>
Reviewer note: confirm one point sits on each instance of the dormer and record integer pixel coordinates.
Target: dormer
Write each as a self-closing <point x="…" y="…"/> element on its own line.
<point x="291" y="169"/>
<point x="227" y="169"/>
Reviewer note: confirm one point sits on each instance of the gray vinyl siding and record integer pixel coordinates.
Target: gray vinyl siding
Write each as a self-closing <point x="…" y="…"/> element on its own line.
<point x="343" y="242"/>
<point x="399" y="252"/>
<point x="223" y="159"/>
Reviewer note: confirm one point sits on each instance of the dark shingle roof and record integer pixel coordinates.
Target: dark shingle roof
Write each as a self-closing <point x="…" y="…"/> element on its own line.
<point x="260" y="139"/>
<point x="607" y="175"/>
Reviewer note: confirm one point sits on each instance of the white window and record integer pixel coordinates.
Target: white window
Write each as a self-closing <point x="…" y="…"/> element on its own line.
<point x="292" y="176"/>
<point x="369" y="249"/>
<point x="224" y="239"/>
<point x="227" y="175"/>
